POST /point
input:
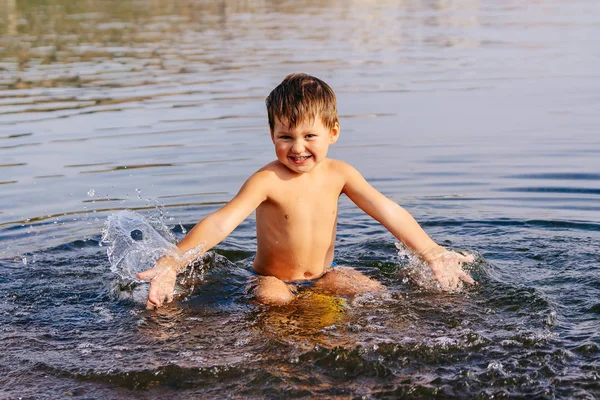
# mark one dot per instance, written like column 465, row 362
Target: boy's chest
column 305, row 201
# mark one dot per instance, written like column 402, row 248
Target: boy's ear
column 334, row 133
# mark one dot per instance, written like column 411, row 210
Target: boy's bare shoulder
column 274, row 169
column 346, row 173
column 273, row 166
column 340, row 166
column 270, row 174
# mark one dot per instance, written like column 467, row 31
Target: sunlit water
column 480, row 118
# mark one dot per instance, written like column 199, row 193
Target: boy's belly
column 290, row 268
column 296, row 245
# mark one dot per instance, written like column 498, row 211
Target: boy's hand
column 162, row 283
column 446, row 268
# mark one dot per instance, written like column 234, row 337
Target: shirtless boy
column 296, row 203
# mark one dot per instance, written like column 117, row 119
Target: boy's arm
column 208, row 232
column 444, row 264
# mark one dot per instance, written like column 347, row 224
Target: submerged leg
column 273, row 291
column 346, row 281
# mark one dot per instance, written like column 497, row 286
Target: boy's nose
column 298, row 147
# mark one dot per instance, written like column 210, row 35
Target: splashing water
column 136, row 243
column 417, row 270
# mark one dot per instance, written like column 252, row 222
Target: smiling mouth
column 299, row 159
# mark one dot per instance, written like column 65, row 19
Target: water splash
column 136, row 242
column 417, row 271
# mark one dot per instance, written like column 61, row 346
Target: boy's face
column 303, row 147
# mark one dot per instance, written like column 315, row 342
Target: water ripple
column 447, row 108
column 558, row 176
column 551, row 189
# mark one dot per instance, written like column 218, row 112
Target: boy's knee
column 347, row 281
column 273, row 291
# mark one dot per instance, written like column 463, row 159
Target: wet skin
column 296, row 203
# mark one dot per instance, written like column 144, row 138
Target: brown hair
column 301, row 96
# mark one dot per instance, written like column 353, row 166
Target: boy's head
column 299, row 98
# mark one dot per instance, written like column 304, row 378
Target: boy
column 296, row 203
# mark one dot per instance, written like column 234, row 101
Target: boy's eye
column 311, row 135
column 284, row 137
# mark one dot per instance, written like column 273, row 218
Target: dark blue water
column 480, row 118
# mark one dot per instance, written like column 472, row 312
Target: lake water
column 479, row 117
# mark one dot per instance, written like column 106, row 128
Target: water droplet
column 91, row 192
column 138, row 190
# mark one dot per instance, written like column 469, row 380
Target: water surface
column 479, row 117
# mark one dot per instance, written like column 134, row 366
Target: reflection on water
column 480, row 117
column 163, row 87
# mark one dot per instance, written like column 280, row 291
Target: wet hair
column 301, row 97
